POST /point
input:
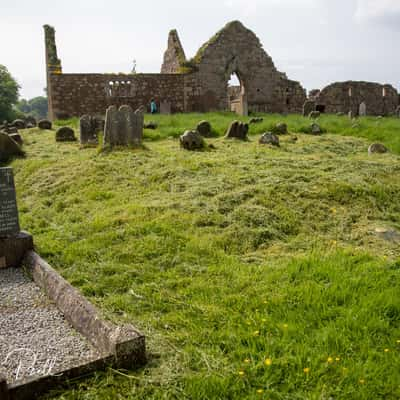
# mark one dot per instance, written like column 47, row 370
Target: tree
column 9, row 91
column 37, row 107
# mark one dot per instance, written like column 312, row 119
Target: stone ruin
column 196, row 85
column 354, row 98
column 200, row 84
column 123, row 127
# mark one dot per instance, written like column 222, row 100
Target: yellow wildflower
column 241, row 373
column 386, row 350
column 268, row 362
column 260, row 391
column 306, row 370
column 285, row 326
column 330, row 360
column 337, row 359
column 256, row 333
column 361, row 381
column 247, row 361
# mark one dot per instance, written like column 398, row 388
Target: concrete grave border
column 119, row 346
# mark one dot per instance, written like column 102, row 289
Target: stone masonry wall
column 347, row 96
column 236, row 49
column 78, row 94
column 174, row 56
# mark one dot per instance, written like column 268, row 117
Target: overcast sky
column 315, row 42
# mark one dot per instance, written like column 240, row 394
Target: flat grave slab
column 35, row 338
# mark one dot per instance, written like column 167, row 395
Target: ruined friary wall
column 236, row 49
column 347, row 96
column 78, row 94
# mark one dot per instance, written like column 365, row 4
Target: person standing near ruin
column 153, row 106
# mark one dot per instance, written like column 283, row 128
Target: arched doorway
column 237, row 101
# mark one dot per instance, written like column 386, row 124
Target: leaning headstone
column 362, row 109
column 65, row 134
column 350, row 114
column 88, row 128
column 314, row 114
column 8, row 147
column 10, row 129
column 165, row 107
column 192, row 140
column 308, row 107
column 269, row 138
column 17, row 138
column 238, row 130
column 9, row 222
column 44, row 124
column 204, row 128
column 123, row 127
column 377, row 148
column 19, row 124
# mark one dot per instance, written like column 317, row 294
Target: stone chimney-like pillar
column 53, row 64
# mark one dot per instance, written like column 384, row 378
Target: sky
column 316, row 42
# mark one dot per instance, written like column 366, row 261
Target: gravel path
column 35, row 339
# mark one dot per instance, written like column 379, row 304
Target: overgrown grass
column 254, row 272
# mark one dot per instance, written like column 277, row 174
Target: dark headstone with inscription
column 9, row 222
column 13, row 243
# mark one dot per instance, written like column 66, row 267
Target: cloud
column 382, row 12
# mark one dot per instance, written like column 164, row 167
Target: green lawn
column 254, row 272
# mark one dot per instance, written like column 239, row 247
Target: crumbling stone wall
column 201, row 84
column 174, row 56
column 347, row 96
column 236, row 49
column 79, row 94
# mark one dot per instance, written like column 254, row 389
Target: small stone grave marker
column 165, row 107
column 9, row 222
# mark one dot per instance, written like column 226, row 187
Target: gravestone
column 13, row 243
column 88, row 127
column 9, row 222
column 308, row 107
column 123, row 127
column 165, row 107
column 362, row 110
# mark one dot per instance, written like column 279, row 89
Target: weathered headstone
column 192, row 140
column 44, row 124
column 238, row 130
column 362, row 109
column 204, row 128
column 65, row 134
column 165, row 107
column 9, row 222
column 269, row 138
column 88, row 127
column 281, row 128
column 308, row 107
column 377, row 148
column 8, row 147
column 123, row 127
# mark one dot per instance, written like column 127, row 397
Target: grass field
column 255, row 272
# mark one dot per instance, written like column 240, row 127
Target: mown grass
column 254, row 272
